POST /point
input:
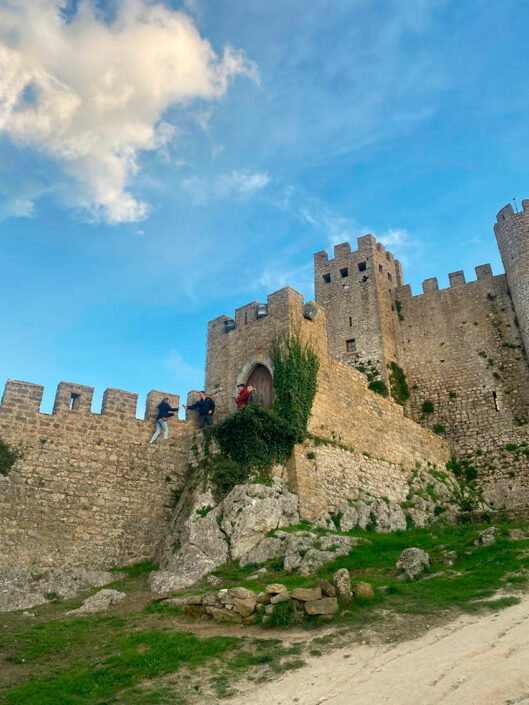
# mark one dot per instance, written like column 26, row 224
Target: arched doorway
column 261, row 379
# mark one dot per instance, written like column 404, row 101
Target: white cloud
column 92, row 94
column 394, row 237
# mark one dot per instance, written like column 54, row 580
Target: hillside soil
column 476, row 660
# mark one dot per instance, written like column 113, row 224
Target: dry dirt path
column 470, row 661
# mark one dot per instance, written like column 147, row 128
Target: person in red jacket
column 242, row 398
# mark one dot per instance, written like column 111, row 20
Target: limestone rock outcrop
column 205, row 534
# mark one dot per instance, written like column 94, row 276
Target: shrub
column 439, row 428
column 379, row 387
column 8, row 457
column 427, row 406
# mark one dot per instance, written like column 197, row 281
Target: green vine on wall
column 8, row 457
column 398, row 384
column 253, row 438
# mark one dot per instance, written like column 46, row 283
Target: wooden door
column 261, row 379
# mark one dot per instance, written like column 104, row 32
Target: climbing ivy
column 398, row 384
column 8, row 457
column 295, row 381
column 252, row 439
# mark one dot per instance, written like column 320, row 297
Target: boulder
column 195, row 547
column 349, row 518
column 213, row 581
column 389, row 516
column 21, row 588
column 250, row 511
column 196, row 544
column 487, row 537
column 314, row 559
column 102, row 600
column 342, row 583
column 220, row 615
column 364, row 592
column 210, row 599
column 245, row 606
column 306, row 594
column 264, row 598
column 364, row 514
column 340, row 545
column 292, row 561
column 275, row 588
column 280, row 597
column 241, row 593
column 327, row 588
column 412, row 562
column 265, row 550
column 327, row 605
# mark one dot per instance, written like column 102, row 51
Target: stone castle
column 89, row 491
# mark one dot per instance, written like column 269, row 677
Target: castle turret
column 357, row 290
column 512, row 234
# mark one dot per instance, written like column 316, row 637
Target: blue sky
column 163, row 163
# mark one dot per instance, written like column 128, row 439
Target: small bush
column 439, row 428
column 427, row 406
column 8, row 457
column 378, row 387
column 452, row 395
column 282, row 615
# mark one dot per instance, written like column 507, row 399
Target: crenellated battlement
column 255, row 313
column 456, row 280
column 76, row 399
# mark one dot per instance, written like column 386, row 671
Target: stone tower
column 357, row 291
column 512, row 235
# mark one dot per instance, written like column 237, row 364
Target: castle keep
column 89, row 489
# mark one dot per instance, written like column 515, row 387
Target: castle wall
column 89, row 489
column 325, row 475
column 462, row 350
column 344, row 411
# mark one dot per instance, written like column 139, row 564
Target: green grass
column 477, row 574
column 137, row 656
column 126, row 657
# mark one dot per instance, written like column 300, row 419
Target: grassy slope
column 138, row 654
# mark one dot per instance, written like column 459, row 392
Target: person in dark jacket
column 164, row 413
column 253, row 397
column 205, row 406
column 242, row 398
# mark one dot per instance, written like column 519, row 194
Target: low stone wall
column 325, row 475
column 88, row 490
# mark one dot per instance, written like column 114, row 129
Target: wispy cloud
column 236, row 184
column 184, row 372
column 91, row 94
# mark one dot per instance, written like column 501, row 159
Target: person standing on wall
column 242, row 398
column 164, row 413
column 206, row 407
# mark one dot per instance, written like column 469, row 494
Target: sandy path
column 470, row 661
